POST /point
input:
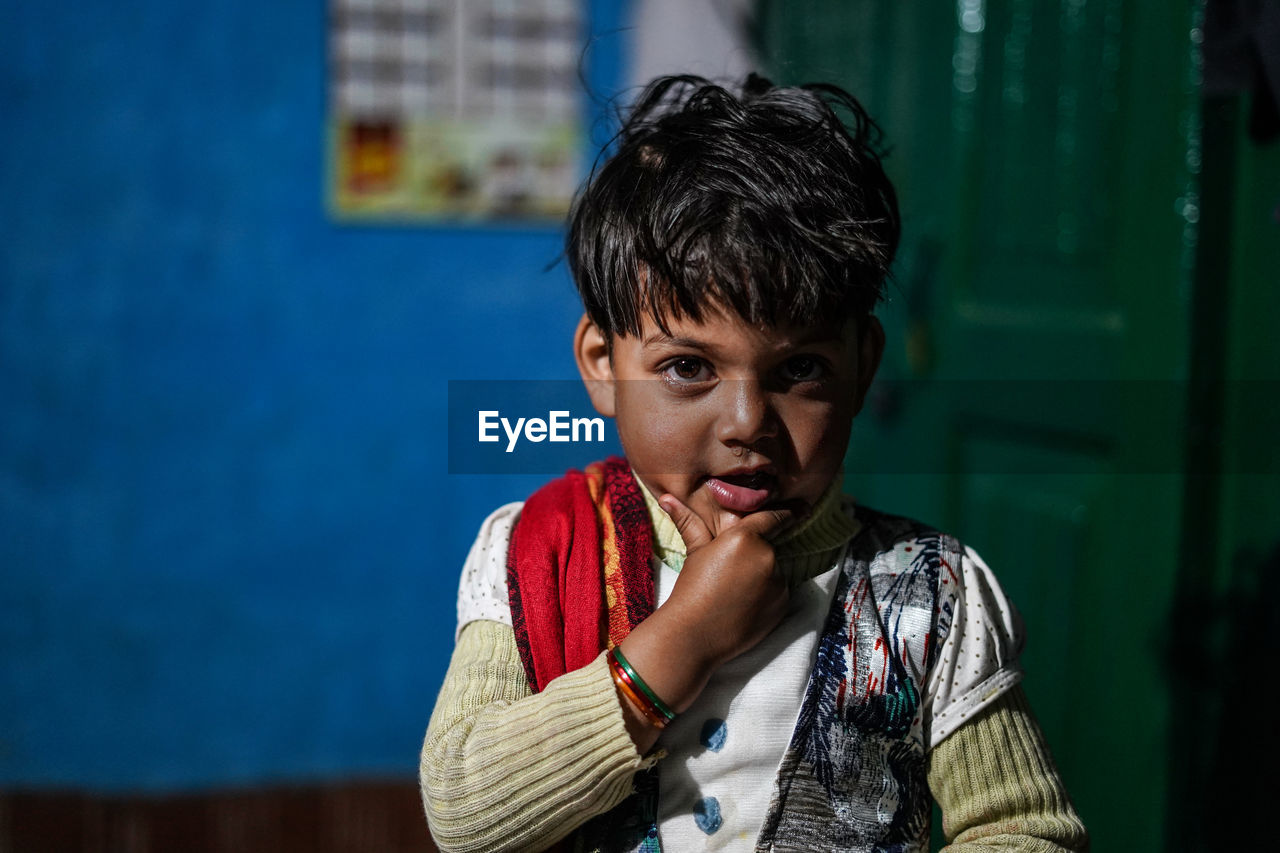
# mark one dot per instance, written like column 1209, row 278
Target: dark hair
column 763, row 200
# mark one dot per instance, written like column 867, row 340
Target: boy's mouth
column 743, row 491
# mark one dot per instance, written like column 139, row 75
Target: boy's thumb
column 692, row 529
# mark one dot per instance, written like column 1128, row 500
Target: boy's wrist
column 670, row 659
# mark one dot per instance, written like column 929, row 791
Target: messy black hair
column 769, row 200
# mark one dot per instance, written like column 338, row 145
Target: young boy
column 706, row 646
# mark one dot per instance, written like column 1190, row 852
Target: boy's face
column 730, row 418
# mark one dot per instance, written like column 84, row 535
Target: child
column 706, row 646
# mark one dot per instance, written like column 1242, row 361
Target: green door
column 1032, row 397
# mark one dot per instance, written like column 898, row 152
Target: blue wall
column 229, row 547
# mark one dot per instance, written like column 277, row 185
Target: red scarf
column 578, row 571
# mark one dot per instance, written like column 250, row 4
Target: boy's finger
column 692, row 529
column 769, row 522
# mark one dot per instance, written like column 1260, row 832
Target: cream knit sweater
column 502, row 769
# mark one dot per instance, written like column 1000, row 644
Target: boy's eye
column 687, row 370
column 802, row 368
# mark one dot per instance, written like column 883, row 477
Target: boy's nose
column 748, row 416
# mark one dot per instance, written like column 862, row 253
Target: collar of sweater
column 802, row 552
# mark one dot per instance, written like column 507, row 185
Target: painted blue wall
column 229, row 546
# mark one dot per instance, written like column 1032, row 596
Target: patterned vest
column 853, row 776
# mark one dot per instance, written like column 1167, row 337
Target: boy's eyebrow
column 813, row 337
column 663, row 339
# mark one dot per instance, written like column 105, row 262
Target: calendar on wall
column 454, row 109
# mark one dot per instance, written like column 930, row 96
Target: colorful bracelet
column 649, row 700
column 637, row 699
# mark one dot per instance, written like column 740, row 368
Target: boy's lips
column 744, row 490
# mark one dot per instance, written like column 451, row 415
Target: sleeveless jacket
column 853, row 775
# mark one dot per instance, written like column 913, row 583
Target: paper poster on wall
column 454, row 109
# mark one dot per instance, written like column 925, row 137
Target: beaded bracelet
column 633, row 685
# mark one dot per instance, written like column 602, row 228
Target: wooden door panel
column 1038, row 141
column 1045, row 95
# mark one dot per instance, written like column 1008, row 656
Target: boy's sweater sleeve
column 998, row 788
column 503, row 769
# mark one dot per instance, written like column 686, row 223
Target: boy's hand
column 729, row 595
column 727, row 599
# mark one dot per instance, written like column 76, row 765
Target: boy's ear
column 591, row 351
column 870, row 350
